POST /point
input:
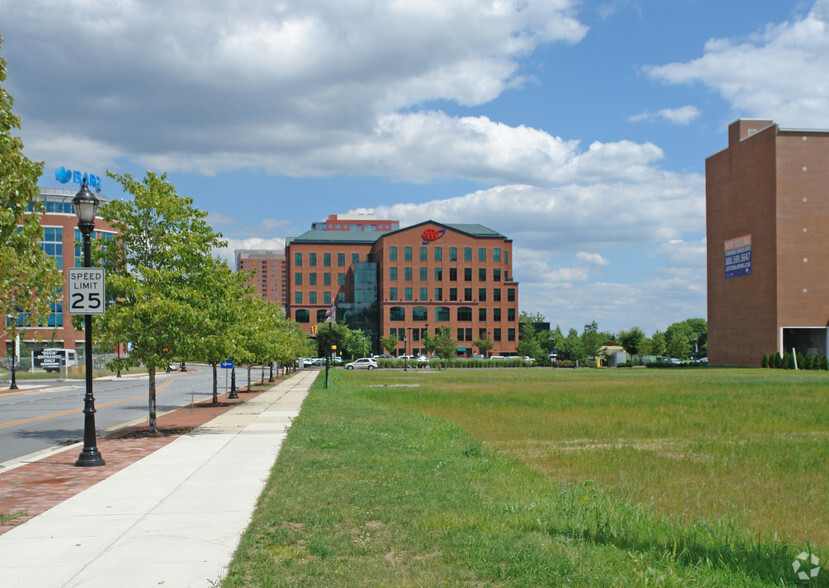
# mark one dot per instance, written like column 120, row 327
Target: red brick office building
column 767, row 220
column 407, row 282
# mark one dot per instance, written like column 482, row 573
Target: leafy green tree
column 698, row 336
column 358, row 343
column 430, row 343
column 221, row 292
column 390, row 343
column 679, row 345
column 155, row 270
column 572, row 347
column 631, row 339
column 29, row 279
column 658, row 345
column 591, row 340
column 556, row 339
column 528, row 343
column 446, row 345
column 484, row 345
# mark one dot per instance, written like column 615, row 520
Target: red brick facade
column 270, row 270
column 428, row 276
column 60, row 233
column 770, row 184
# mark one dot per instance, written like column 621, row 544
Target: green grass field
column 532, row 477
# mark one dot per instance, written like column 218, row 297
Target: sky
column 577, row 129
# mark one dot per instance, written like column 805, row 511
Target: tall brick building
column 767, row 220
column 270, row 272
column 407, row 282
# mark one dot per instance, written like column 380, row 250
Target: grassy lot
column 547, row 477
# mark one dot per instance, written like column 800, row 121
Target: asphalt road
column 34, row 420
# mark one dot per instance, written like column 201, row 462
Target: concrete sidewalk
column 174, row 518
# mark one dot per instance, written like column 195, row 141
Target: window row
column 312, row 279
column 326, row 259
column 313, row 298
column 451, row 274
column 437, row 254
column 443, row 314
column 452, row 294
column 462, row 334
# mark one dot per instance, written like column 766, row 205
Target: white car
column 368, row 363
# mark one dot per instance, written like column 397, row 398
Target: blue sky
column 577, row 129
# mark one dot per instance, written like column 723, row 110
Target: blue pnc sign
column 64, row 176
column 738, row 257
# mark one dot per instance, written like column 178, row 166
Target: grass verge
column 385, row 479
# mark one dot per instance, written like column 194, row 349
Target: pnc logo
column 64, row 175
column 432, row 234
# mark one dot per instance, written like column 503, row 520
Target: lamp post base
column 90, row 457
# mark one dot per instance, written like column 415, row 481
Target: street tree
column 430, row 343
column 155, row 268
column 484, row 345
column 389, row 343
column 357, row 343
column 29, row 278
column 446, row 346
column 220, row 293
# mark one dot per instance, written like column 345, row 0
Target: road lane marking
column 55, row 415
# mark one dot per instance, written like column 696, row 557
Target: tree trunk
column 151, row 397
column 248, row 377
column 215, row 384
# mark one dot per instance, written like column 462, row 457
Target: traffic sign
column 86, row 290
column 226, row 365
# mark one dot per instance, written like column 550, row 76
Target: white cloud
column 591, row 258
column 678, row 116
column 293, row 88
column 227, row 253
column 777, row 73
column 571, row 218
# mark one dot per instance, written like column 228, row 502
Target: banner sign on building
column 738, row 257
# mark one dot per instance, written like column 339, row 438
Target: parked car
column 368, row 363
column 423, row 359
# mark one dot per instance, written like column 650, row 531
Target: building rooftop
column 370, row 237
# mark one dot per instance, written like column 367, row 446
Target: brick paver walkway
column 38, row 486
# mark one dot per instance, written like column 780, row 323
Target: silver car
column 362, row 363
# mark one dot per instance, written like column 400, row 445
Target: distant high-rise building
column 270, row 272
column 355, row 222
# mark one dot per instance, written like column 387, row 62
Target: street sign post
column 86, row 290
column 227, row 365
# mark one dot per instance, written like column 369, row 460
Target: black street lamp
column 233, row 393
column 12, row 367
column 86, row 206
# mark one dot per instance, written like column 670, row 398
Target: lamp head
column 86, row 207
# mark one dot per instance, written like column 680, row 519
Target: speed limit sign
column 86, row 290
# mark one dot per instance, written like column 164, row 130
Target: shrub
column 765, row 361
